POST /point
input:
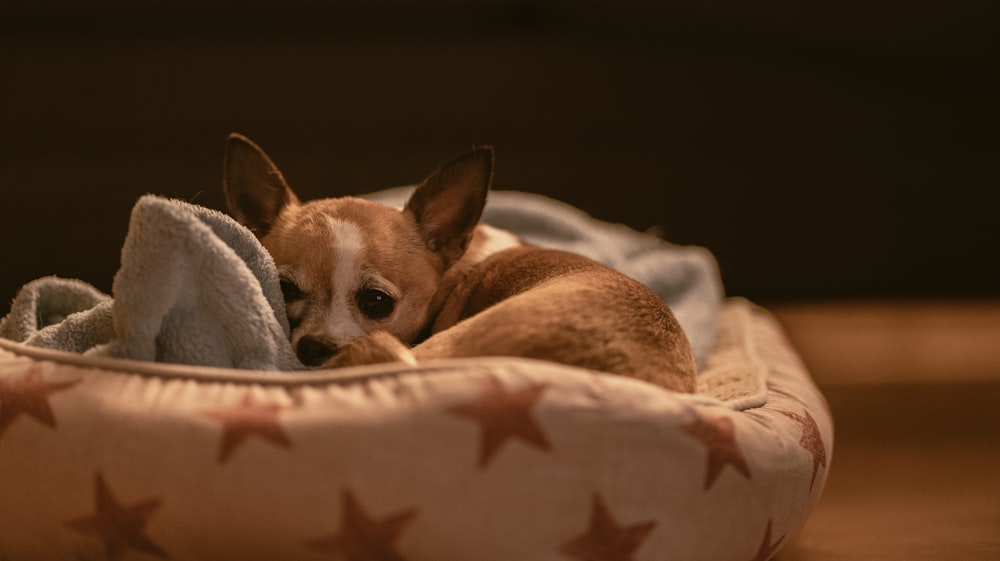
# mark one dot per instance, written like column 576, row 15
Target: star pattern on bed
column 502, row 415
column 120, row 526
column 527, row 459
column 811, row 441
column 28, row 394
column 767, row 549
column 249, row 418
column 718, row 434
column 605, row 539
column 362, row 537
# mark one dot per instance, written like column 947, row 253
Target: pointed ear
column 256, row 192
column 448, row 204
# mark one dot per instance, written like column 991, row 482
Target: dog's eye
column 375, row 304
column 290, row 291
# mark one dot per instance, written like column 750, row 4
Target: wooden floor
column 914, row 476
column 915, row 473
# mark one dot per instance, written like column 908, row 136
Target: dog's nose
column 314, row 351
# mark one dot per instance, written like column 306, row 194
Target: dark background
column 830, row 151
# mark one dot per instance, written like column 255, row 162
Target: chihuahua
column 366, row 283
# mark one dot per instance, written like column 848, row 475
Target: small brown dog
column 363, row 281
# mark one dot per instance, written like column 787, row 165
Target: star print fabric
column 490, row 459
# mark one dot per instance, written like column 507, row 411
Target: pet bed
column 475, row 459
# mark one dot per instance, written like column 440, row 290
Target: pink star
column 718, row 435
column 120, row 527
column 811, row 441
column 503, row 415
column 247, row 419
column 767, row 549
column 361, row 537
column 28, row 394
column 605, row 539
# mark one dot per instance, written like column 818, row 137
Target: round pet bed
column 481, row 459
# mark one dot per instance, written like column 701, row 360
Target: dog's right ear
column 256, row 192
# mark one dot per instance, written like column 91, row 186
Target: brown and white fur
column 363, row 281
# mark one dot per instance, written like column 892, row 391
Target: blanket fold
column 195, row 287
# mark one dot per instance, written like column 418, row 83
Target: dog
column 367, row 283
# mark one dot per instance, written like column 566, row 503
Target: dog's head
column 350, row 266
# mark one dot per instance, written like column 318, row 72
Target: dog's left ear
column 256, row 192
column 449, row 203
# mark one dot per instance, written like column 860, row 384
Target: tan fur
column 465, row 291
column 553, row 305
column 376, row 347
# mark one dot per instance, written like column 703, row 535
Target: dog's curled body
column 364, row 281
column 554, row 305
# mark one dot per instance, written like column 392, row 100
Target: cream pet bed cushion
column 490, row 459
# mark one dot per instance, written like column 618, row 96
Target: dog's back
column 548, row 304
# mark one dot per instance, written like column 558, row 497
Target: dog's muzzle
column 314, row 351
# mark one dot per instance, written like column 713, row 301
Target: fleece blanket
column 195, row 287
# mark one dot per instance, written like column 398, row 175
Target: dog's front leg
column 376, row 347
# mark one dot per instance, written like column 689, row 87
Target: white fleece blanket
column 195, row 287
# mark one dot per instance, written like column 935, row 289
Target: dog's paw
column 376, row 347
